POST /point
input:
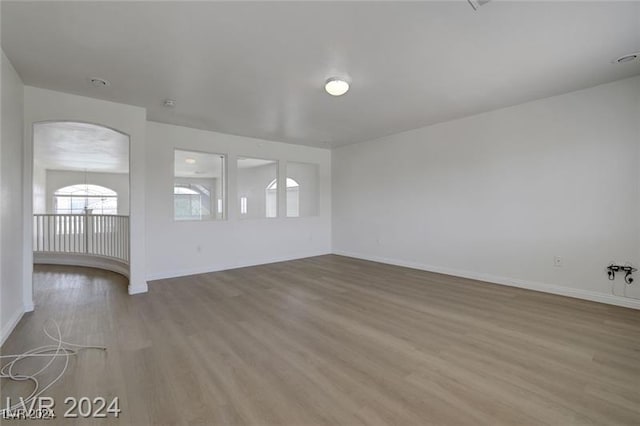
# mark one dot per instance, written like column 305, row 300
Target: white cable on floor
column 52, row 351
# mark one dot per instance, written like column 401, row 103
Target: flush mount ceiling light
column 190, row 160
column 336, row 86
column 626, row 58
column 99, row 82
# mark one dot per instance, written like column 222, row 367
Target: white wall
column 12, row 304
column 47, row 105
column 180, row 248
column 56, row 179
column 496, row 196
column 39, row 188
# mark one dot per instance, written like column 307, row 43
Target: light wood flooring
column 332, row 340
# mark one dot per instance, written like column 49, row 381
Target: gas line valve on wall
column 627, row 269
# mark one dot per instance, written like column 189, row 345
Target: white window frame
column 84, row 192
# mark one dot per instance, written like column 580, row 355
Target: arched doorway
column 80, row 195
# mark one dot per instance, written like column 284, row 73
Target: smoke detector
column 99, row 82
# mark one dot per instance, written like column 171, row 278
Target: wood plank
column 333, row 340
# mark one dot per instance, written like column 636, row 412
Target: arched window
column 191, row 201
column 83, row 198
column 293, row 190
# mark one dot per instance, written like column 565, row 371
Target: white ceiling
column 80, row 147
column 258, row 68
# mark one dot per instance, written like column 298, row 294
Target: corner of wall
column 138, row 288
column 12, row 280
column 10, row 325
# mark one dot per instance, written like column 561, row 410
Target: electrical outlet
column 557, row 261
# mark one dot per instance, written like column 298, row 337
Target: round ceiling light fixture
column 627, row 58
column 336, row 86
column 99, row 82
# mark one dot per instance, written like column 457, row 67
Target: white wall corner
column 7, row 329
column 138, row 289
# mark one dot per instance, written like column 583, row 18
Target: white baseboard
column 225, row 267
column 10, row 325
column 609, row 299
column 138, row 289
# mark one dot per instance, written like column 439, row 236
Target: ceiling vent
column 99, row 82
column 475, row 4
column 626, row 58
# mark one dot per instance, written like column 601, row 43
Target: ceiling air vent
column 475, row 4
column 99, row 82
column 627, row 58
